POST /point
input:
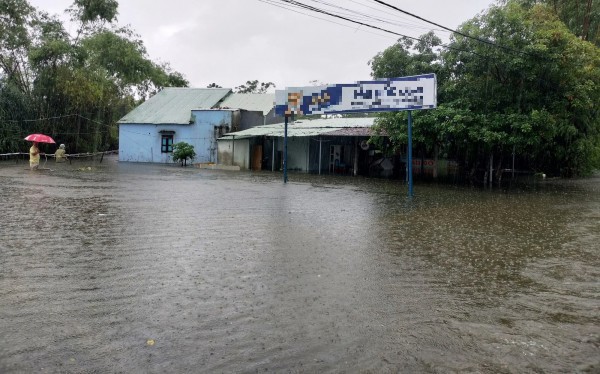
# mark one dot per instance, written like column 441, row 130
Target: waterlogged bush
column 183, row 151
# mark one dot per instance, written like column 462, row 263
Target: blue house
column 197, row 116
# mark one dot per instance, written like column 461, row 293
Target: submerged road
column 140, row 268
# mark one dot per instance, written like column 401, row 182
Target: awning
column 360, row 126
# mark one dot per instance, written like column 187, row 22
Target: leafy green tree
column 95, row 10
column 17, row 19
column 213, row 85
column 76, row 87
column 582, row 17
column 183, row 151
column 254, row 87
column 408, row 57
column 535, row 94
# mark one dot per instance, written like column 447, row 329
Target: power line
column 274, row 3
column 345, row 16
column 56, row 117
column 447, row 28
column 322, row 11
column 366, row 16
column 47, row 118
column 406, row 22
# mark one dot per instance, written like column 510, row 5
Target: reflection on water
column 237, row 272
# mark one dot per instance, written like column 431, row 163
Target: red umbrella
column 39, row 138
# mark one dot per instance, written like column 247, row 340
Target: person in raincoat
column 34, row 156
column 60, row 155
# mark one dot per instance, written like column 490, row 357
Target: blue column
column 285, row 178
column 409, row 156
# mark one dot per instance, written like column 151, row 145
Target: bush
column 182, row 151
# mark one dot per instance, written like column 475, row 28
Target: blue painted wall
column 141, row 142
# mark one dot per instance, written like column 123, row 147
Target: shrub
column 183, row 151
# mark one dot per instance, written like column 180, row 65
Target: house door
column 257, row 155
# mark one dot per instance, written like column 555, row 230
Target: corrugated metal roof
column 315, row 127
column 173, row 105
column 352, row 131
column 253, row 102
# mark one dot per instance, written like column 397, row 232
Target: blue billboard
column 379, row 95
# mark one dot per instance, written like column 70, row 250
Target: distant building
column 324, row 145
column 197, row 116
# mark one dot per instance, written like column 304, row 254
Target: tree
column 183, row 151
column 77, row 86
column 254, row 87
column 213, row 85
column 535, row 93
column 17, row 18
column 582, row 17
column 408, row 57
column 89, row 11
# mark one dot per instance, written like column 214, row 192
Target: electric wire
column 364, row 16
column 449, row 29
column 276, row 4
column 322, row 11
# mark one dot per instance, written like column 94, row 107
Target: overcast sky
column 231, row 41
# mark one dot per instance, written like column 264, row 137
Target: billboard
column 380, row 95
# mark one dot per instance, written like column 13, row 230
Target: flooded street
column 139, row 268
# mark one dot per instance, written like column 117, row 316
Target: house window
column 166, row 145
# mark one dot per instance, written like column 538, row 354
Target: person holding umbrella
column 34, row 156
column 34, row 151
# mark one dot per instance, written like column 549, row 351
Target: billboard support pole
column 409, row 156
column 285, row 142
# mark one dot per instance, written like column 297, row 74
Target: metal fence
column 22, row 156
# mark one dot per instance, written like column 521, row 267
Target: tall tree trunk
column 586, row 21
column 499, row 167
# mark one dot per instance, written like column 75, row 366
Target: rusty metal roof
column 324, row 126
column 173, row 105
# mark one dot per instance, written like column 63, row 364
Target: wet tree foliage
column 183, row 151
column 254, row 86
column 534, row 92
column 582, row 17
column 72, row 87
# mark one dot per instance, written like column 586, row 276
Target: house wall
column 297, row 153
column 251, row 119
column 207, row 126
column 271, row 117
column 141, row 142
column 238, row 149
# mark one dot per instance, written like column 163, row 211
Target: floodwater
column 138, row 268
